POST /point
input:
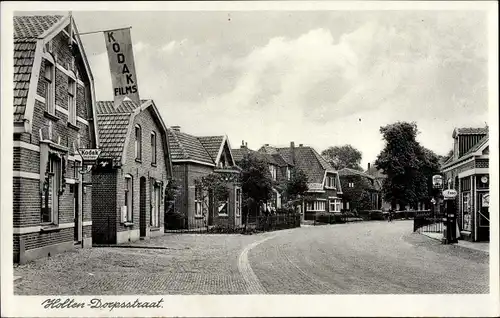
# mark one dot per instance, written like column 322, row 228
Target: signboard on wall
column 437, row 181
column 449, row 193
column 485, row 201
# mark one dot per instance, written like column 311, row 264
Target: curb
column 456, row 245
column 140, row 246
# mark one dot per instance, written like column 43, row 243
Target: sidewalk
column 478, row 246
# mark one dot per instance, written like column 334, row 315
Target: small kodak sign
column 89, row 154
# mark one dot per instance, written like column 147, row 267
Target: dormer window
column 331, row 182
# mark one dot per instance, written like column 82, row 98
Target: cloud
column 317, row 88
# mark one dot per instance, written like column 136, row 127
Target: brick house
column 467, row 171
column 324, row 194
column 53, row 117
column 128, row 201
column 356, row 182
column 379, row 178
column 279, row 169
column 193, row 158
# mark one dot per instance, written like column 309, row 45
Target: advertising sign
column 485, row 201
column 89, row 155
column 437, row 182
column 122, row 66
column 449, row 193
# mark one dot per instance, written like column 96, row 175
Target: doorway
column 76, row 213
column 142, row 207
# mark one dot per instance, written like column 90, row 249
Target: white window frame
column 316, row 206
column 155, row 205
column 129, row 197
column 138, row 143
column 50, row 88
column 54, row 179
column 153, row 147
column 272, row 169
column 198, row 202
column 237, row 201
column 288, row 173
column 336, row 205
column 72, row 100
column 225, row 205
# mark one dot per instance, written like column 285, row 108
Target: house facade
column 379, row 178
column 133, row 169
column 467, row 171
column 193, row 158
column 53, row 117
column 279, row 170
column 324, row 188
column 355, row 184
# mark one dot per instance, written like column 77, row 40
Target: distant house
column 53, row 112
column 467, row 171
column 354, row 184
column 324, row 188
column 379, row 178
column 194, row 157
column 279, row 170
column 134, row 168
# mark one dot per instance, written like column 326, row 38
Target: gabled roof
column 483, row 142
column 204, row 150
column 470, row 131
column 308, row 160
column 353, row 172
column 31, row 33
column 27, row 29
column 239, row 153
column 115, row 128
column 212, row 145
column 374, row 172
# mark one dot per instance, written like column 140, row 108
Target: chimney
column 246, row 144
column 267, row 145
column 300, row 145
column 368, row 166
column 242, row 144
column 176, row 128
column 292, row 151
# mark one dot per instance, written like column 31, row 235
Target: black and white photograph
column 267, row 149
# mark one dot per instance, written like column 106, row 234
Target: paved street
column 365, row 257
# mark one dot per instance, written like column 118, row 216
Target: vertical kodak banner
column 121, row 64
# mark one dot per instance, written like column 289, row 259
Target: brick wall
column 104, row 207
column 144, row 168
column 26, row 196
column 39, row 239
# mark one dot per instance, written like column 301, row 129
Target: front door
column 142, row 207
column 483, row 216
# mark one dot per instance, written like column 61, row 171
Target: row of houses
column 60, row 203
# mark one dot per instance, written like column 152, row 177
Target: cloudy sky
column 321, row 78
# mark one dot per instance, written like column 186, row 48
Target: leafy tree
column 296, row 187
column 345, row 156
column 256, row 183
column 354, row 194
column 407, row 165
column 213, row 186
column 172, row 190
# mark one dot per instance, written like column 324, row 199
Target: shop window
column 466, row 212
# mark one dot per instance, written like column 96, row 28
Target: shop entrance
column 483, row 216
